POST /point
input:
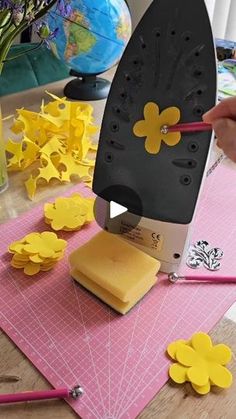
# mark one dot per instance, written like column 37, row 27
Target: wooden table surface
column 172, row 402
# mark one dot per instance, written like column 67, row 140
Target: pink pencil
column 187, row 127
column 27, row 396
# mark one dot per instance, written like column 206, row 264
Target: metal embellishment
column 173, row 277
column 201, row 254
column 76, row 392
column 164, row 129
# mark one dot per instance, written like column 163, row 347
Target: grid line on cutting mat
column 72, row 337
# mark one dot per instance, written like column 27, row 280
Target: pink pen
column 187, row 127
column 27, row 396
column 173, row 278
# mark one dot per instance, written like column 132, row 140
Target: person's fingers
column 225, row 109
column 219, row 144
column 225, row 130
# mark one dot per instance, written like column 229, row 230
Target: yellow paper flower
column 200, row 363
column 172, row 347
column 45, row 244
column 151, row 126
column 37, row 252
column 55, row 142
column 69, row 214
column 65, row 214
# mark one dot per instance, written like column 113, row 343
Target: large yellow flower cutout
column 200, row 363
column 150, row 127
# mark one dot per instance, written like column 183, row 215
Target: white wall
column 211, row 6
column 222, row 14
column 224, row 19
column 138, row 7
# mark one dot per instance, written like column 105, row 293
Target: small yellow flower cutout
column 151, row 126
column 200, row 363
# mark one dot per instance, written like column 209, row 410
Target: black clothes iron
column 170, row 61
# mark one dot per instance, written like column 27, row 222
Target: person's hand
column 223, row 119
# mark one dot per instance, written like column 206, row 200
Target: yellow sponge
column 114, row 270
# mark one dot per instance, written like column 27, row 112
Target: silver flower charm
column 202, row 255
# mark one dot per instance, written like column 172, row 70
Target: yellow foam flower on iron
column 150, row 127
column 200, row 363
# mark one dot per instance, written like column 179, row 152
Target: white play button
column 114, row 217
column 116, row 209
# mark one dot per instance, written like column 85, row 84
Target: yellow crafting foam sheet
column 114, row 270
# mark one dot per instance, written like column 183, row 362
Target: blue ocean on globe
column 93, row 37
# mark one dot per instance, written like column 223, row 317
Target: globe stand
column 87, row 87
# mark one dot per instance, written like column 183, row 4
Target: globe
column 92, row 38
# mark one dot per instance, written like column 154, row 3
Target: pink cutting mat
column 71, row 337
